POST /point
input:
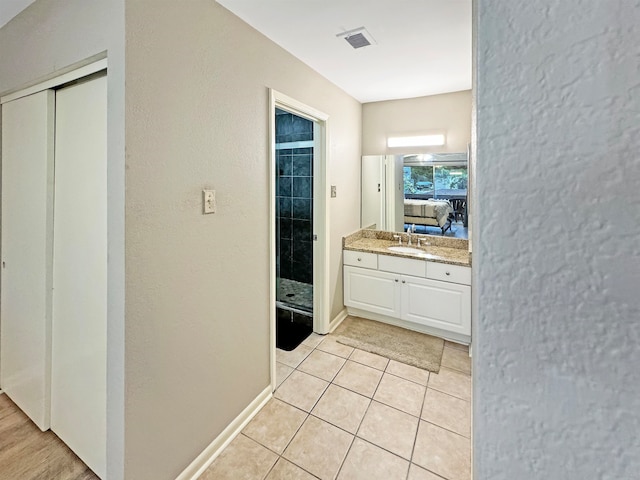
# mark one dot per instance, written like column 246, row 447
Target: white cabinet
column 438, row 304
column 371, row 290
column 413, row 301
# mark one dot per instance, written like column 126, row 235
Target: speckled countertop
column 454, row 251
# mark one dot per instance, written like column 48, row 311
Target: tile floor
column 344, row 413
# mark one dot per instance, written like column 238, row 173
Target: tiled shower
column 294, row 229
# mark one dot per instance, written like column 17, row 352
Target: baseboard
column 338, row 319
column 209, row 454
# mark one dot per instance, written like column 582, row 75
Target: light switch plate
column 208, row 201
column 333, row 191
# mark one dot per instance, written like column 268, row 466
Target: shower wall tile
column 286, row 228
column 285, row 208
column 294, row 207
column 301, row 164
column 302, row 187
column 301, row 231
column 301, row 208
column 284, row 186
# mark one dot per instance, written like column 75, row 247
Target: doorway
column 294, row 151
column 298, row 223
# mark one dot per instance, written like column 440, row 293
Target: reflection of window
column 435, row 177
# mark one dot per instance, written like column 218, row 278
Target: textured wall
column 197, row 334
column 557, row 241
column 449, row 113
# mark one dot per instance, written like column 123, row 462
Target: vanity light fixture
column 417, row 141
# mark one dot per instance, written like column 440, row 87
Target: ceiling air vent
column 358, row 37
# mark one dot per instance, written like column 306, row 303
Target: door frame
column 321, row 308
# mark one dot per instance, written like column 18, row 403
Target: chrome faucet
column 409, row 235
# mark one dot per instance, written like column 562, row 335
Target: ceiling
column 423, row 47
column 11, row 8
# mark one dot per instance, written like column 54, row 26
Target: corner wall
column 449, row 113
column 556, row 241
column 197, row 337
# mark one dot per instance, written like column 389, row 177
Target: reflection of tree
column 444, row 178
column 413, row 175
column 420, row 178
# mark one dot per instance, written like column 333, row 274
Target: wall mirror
column 429, row 191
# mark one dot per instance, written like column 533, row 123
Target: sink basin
column 401, row 249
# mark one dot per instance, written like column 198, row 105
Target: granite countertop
column 454, row 251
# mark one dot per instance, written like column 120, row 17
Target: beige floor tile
column 275, row 425
column 313, row 340
column 288, row 471
column 447, row 412
column 359, row 378
column 301, row 390
column 458, row 346
column 294, row 357
column 330, row 345
column 418, row 473
column 457, row 360
column 389, row 428
column 370, row 359
column 451, row 382
column 443, row 452
column 322, row 364
column 401, row 394
column 368, row 462
column 408, row 372
column 232, row 463
column 319, row 448
column 342, row 408
column 282, row 372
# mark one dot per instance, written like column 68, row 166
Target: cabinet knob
column 359, row 259
column 403, row 281
column 396, row 280
column 447, row 273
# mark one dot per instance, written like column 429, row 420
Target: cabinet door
column 437, row 304
column 371, row 290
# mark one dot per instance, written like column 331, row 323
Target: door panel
column 27, row 215
column 78, row 385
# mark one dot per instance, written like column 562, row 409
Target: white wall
column 197, row 337
column 449, row 113
column 42, row 42
column 557, row 249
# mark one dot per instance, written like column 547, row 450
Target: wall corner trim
column 338, row 319
column 215, row 448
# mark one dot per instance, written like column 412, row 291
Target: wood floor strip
column 26, row 453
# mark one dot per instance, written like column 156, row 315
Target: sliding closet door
column 78, row 381
column 27, row 190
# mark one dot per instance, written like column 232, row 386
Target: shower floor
column 296, row 294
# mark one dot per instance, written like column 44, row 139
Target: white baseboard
column 209, row 454
column 338, row 319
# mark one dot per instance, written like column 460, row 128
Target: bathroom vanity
column 426, row 288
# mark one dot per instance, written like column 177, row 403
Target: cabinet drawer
column 449, row 273
column 360, row 259
column 404, row 266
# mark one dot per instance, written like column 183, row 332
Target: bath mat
column 406, row 346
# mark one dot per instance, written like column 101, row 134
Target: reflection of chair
column 459, row 209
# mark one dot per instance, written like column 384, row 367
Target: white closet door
column 27, row 190
column 78, row 376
